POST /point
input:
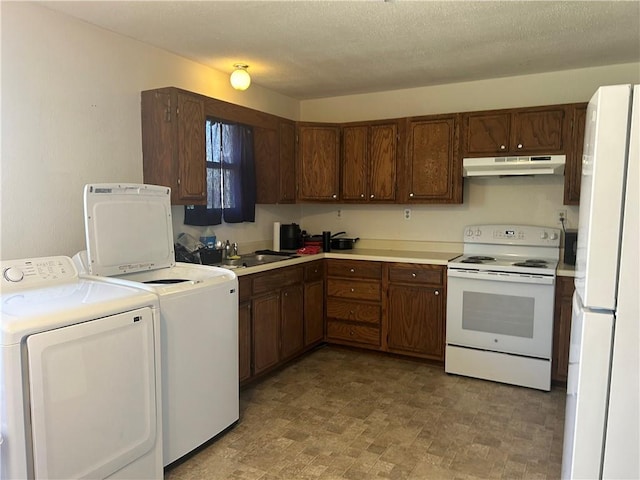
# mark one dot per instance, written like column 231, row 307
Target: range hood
column 507, row 166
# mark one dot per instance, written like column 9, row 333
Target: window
column 231, row 184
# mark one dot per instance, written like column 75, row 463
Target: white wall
column 71, row 116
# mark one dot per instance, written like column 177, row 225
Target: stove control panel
column 512, row 235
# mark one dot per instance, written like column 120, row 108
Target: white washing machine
column 80, row 375
column 130, row 242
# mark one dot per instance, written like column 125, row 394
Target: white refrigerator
column 602, row 425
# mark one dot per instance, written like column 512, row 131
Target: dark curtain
column 231, row 178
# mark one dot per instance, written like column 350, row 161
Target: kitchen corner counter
column 432, row 258
column 566, row 270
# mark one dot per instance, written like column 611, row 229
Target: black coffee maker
column 290, row 236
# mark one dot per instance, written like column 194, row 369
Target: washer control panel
column 512, row 235
column 35, row 272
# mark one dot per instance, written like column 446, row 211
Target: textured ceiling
column 314, row 49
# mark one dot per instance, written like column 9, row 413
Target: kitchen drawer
column 275, row 279
column 353, row 311
column 416, row 273
column 354, row 269
column 347, row 332
column 358, row 289
column 244, row 288
column 314, row 271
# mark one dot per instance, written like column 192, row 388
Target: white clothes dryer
column 80, row 375
column 130, row 242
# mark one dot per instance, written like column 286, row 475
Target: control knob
column 13, row 274
column 553, row 236
column 543, row 235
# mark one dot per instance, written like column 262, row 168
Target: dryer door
column 93, row 395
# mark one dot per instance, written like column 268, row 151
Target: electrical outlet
column 407, row 214
column 561, row 217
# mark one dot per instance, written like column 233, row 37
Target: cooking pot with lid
column 342, row 243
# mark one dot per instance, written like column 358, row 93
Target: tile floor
column 339, row 413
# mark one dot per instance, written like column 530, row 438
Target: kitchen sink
column 253, row 259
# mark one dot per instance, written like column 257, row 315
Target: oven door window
column 494, row 313
column 500, row 316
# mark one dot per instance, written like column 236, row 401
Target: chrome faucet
column 234, row 249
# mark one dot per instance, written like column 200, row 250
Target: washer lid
column 128, row 228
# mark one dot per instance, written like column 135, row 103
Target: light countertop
column 375, row 255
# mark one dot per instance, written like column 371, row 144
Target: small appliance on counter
column 290, row 236
column 570, row 246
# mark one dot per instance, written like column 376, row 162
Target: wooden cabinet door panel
column 192, row 182
column 355, row 153
column 382, row 166
column 244, row 340
column 538, row 131
column 352, row 333
column 432, row 171
column 357, row 289
column 318, row 167
column 562, row 328
column 487, row 134
column 416, row 320
column 354, row 269
column 265, row 147
column 287, row 149
column 353, row 311
column 266, row 332
column 292, row 318
column 573, row 166
column 313, row 312
column 427, row 274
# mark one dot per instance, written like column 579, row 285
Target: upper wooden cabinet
column 274, row 150
column 573, row 167
column 318, row 162
column 537, row 130
column 432, row 171
column 173, row 144
column 369, row 158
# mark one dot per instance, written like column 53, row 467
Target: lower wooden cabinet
column 292, row 321
column 562, row 328
column 415, row 311
column 280, row 316
column 266, row 332
column 313, row 303
column 244, row 340
column 354, row 303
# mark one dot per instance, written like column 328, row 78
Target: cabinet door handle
column 413, row 275
column 372, row 196
column 334, row 196
column 351, row 332
column 362, row 195
column 436, row 293
column 503, row 147
column 519, row 145
column 411, row 194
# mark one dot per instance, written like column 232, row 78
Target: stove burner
column 532, row 264
column 477, row 259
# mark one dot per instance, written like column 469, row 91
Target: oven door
column 501, row 312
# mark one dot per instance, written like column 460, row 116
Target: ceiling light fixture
column 240, row 78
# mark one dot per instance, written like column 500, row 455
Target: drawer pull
column 353, row 290
column 413, row 275
column 436, row 293
column 352, row 270
column 351, row 332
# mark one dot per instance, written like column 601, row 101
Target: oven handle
column 502, row 276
